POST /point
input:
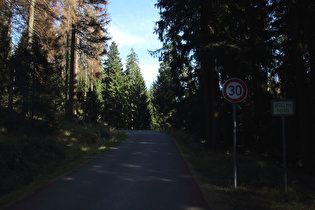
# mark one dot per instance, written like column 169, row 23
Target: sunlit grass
column 67, row 133
column 73, row 139
column 101, row 148
column 84, row 149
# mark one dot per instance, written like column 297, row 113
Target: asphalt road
column 146, row 171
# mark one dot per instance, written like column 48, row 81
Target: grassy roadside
column 29, row 162
column 259, row 179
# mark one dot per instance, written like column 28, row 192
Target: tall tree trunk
column 67, row 75
column 85, row 92
column 33, row 97
column 310, row 28
column 210, row 82
column 30, row 31
column 11, row 88
column 312, row 62
column 76, row 69
column 92, row 81
column 215, row 112
column 30, row 42
column 11, row 73
column 303, row 110
column 67, row 61
column 207, row 104
column 30, row 25
column 210, row 78
column 73, row 76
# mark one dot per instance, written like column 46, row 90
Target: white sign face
column 283, row 107
column 234, row 90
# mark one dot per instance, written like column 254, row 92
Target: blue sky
column 132, row 26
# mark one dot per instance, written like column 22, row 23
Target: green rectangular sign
column 285, row 107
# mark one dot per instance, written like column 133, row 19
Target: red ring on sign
column 234, row 100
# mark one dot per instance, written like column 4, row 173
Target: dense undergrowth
column 260, row 179
column 33, row 152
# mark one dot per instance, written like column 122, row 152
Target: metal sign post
column 234, row 146
column 284, row 156
column 283, row 108
column 234, row 91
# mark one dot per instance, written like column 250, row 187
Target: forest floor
column 260, row 179
column 33, row 153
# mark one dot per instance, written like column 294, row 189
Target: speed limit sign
column 234, row 90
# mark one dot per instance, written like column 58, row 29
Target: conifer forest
column 57, row 60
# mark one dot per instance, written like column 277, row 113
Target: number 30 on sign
column 234, row 90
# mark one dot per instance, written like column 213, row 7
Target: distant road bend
column 146, row 171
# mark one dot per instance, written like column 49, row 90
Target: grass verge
column 31, row 161
column 260, row 179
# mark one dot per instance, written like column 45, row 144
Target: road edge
column 197, row 179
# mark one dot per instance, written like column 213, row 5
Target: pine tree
column 190, row 29
column 86, row 33
column 199, row 36
column 50, row 24
column 36, row 80
column 138, row 113
column 113, row 94
column 90, row 99
column 270, row 44
column 164, row 98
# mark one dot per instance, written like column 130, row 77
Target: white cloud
column 124, row 37
column 149, row 72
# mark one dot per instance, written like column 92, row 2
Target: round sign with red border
column 234, row 90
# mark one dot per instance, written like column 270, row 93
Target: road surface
column 146, row 171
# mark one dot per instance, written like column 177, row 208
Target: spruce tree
column 164, row 98
column 139, row 116
column 37, row 82
column 113, row 94
column 208, row 34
